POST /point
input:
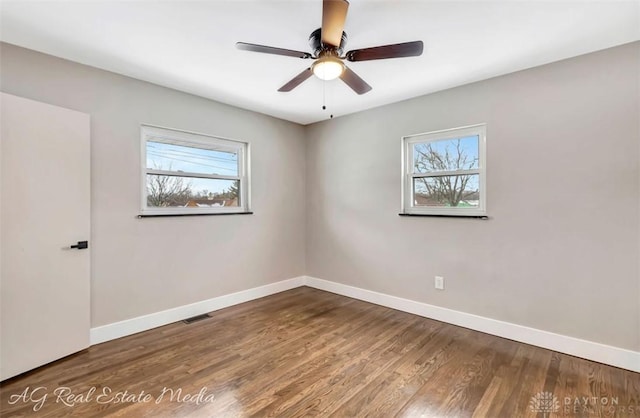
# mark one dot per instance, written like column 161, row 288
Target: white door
column 44, row 209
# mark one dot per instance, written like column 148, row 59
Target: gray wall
column 561, row 250
column 141, row 266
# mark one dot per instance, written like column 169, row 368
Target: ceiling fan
column 328, row 44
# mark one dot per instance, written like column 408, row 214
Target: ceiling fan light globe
column 328, row 69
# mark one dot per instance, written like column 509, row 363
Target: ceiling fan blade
column 334, row 14
column 407, row 49
column 272, row 50
column 297, row 80
column 354, row 81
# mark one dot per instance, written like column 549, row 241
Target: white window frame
column 193, row 139
column 408, row 200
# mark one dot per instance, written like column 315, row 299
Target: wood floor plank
column 307, row 352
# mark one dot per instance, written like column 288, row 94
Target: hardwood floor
column 306, row 352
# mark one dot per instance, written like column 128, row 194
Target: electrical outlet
column 439, row 283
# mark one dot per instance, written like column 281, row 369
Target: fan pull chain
column 324, row 97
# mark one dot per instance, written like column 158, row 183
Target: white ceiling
column 190, row 45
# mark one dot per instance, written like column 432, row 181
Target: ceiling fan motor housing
column 315, row 41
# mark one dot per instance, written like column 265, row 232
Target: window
column 444, row 172
column 188, row 173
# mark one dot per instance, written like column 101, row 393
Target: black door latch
column 82, row 245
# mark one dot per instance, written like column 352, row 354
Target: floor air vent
column 196, row 318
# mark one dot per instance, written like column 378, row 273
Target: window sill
column 162, row 215
column 483, row 217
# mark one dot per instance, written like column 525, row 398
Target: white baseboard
column 146, row 322
column 590, row 350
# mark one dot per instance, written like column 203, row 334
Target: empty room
column 331, row 208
